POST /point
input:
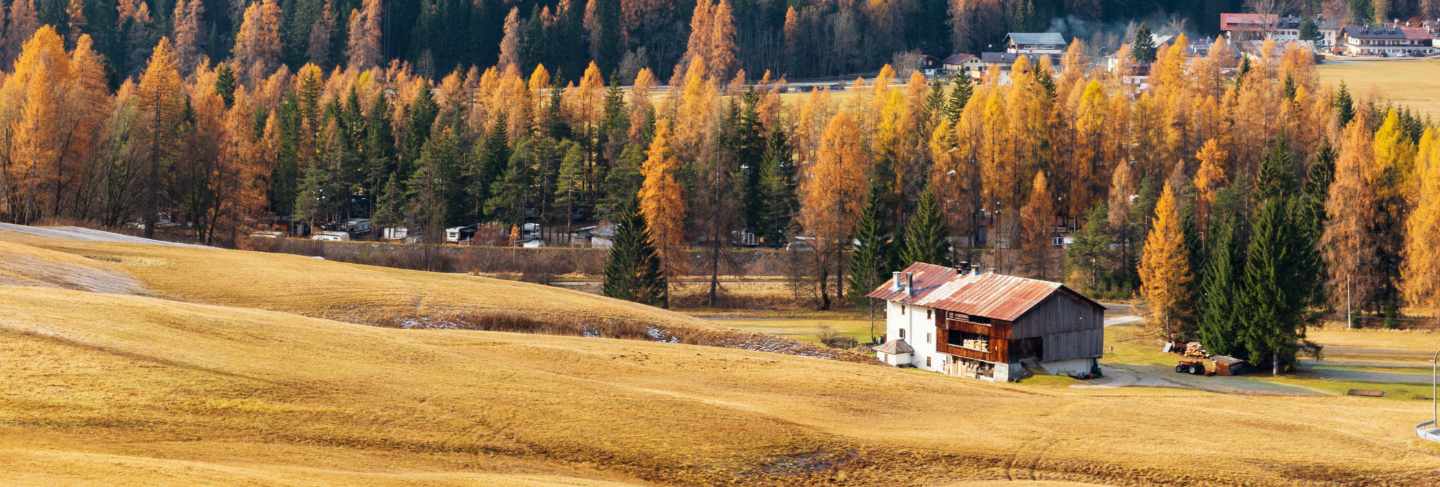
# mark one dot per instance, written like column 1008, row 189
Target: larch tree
column 662, row 203
column 1037, row 220
column 75, row 21
column 698, row 45
column 362, row 46
column 1348, row 245
column 1086, row 182
column 1209, row 179
column 509, row 43
column 1393, row 184
column 35, row 172
column 87, row 104
column 257, row 43
column 186, row 25
column 24, row 21
column 720, row 49
column 1165, row 268
column 161, row 106
column 322, row 36
column 1422, row 256
column 35, row 145
column 834, row 194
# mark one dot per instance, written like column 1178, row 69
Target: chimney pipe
column 895, row 283
column 910, row 284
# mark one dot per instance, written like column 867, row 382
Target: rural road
column 1117, row 314
column 1156, row 376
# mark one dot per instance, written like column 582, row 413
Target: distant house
column 1330, row 31
column 1242, row 27
column 963, row 61
column 1035, row 43
column 1388, row 41
column 987, row 326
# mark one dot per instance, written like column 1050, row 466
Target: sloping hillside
column 144, row 390
column 87, row 260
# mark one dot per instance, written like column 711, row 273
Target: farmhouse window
column 902, row 333
column 927, row 314
column 927, row 361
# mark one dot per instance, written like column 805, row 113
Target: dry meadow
column 218, row 368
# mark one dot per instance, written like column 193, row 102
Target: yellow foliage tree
column 833, row 195
column 662, row 204
column 1165, row 267
column 1348, row 244
column 160, row 100
column 1208, row 179
column 1422, row 256
column 257, row 43
column 1037, row 227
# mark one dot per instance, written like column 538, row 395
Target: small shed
column 895, row 353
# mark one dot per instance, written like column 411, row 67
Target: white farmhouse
column 988, row 326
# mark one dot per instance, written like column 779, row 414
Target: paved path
column 86, row 235
column 1365, row 375
column 1157, row 376
column 1117, row 314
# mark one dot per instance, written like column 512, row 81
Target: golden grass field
column 1414, row 83
column 207, row 380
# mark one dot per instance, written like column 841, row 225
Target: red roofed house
column 988, row 326
column 1256, row 27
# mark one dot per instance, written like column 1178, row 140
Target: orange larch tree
column 834, row 193
column 1165, row 273
column 662, row 204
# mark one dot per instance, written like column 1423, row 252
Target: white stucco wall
column 919, row 333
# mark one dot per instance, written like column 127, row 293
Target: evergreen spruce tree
column 750, row 153
column 1218, row 327
column 1143, row 46
column 871, row 259
column 510, row 194
column 632, row 270
column 1344, row 105
column 493, row 155
column 779, row 183
column 622, row 182
column 390, row 205
column 1090, row 257
column 961, row 88
column 925, row 234
column 1269, row 298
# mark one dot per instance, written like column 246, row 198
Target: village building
column 1035, row 43
column 988, row 326
column 1388, row 41
column 1245, row 27
column 963, row 61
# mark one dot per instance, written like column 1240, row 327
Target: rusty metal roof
column 994, row 296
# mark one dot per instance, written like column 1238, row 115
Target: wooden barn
column 988, row 326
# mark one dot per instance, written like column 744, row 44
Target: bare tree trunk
column 823, row 268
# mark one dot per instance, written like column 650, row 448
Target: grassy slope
column 1413, row 83
column 145, row 389
column 337, row 290
column 111, row 388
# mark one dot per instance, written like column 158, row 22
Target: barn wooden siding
column 998, row 332
column 1071, row 327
